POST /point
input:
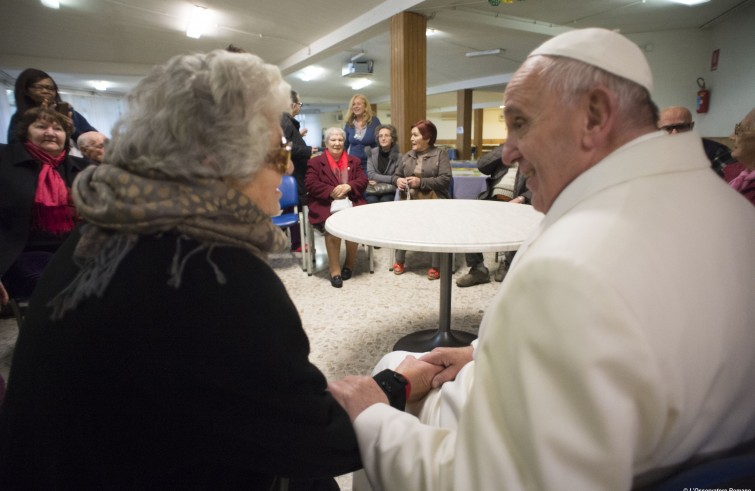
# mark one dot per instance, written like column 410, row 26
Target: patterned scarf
column 51, row 212
column 120, row 205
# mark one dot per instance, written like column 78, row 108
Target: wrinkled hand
column 355, row 394
column 413, row 181
column 4, row 298
column 449, row 360
column 401, row 183
column 420, row 375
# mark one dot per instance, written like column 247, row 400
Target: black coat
column 300, row 152
column 204, row 386
column 18, row 185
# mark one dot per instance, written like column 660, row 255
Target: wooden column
column 464, row 124
column 477, row 139
column 408, row 73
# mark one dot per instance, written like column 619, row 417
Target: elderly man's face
column 94, row 148
column 543, row 137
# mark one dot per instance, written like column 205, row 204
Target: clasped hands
column 340, row 191
column 430, row 371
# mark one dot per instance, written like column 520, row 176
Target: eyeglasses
column 297, row 104
column 40, row 87
column 99, row 146
column 740, row 130
column 280, row 157
column 680, row 128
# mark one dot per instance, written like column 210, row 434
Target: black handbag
column 380, row 188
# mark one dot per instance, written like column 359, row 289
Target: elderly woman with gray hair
column 160, row 348
column 335, row 180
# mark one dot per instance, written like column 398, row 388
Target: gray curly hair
column 202, row 116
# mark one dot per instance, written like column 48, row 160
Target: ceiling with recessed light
column 84, row 42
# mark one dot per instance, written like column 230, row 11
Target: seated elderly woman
column 334, row 180
column 424, row 173
column 36, row 174
column 382, row 162
column 160, row 348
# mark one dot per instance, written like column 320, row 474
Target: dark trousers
column 22, row 276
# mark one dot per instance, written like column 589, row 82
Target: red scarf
column 51, row 212
column 340, row 168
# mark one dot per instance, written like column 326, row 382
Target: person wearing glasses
column 92, row 146
column 35, row 88
column 161, row 350
column 678, row 119
column 300, row 155
column 741, row 176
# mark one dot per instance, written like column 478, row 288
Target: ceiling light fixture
column 100, row 85
column 430, row 31
column 360, row 83
column 689, row 3
column 53, row 4
column 199, row 21
column 310, row 73
column 487, row 52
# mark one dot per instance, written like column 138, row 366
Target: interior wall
column 678, row 58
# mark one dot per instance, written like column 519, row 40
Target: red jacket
column 320, row 182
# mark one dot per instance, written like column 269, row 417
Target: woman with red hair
column 424, row 173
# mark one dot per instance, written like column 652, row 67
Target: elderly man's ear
column 600, row 107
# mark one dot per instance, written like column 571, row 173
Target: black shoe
column 336, row 281
column 345, row 273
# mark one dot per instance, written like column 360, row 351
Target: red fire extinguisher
column 703, row 97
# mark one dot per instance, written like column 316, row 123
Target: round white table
column 440, row 225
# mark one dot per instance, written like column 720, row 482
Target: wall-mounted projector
column 357, row 69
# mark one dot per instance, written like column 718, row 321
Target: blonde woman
column 360, row 129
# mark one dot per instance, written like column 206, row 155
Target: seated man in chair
column 504, row 184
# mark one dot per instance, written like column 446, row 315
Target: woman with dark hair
column 35, row 88
column 424, row 173
column 36, row 174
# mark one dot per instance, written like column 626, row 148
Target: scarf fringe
column 52, row 219
column 94, row 276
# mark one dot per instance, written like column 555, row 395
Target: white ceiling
column 118, row 41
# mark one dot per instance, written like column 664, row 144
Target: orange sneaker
column 433, row 274
column 398, row 268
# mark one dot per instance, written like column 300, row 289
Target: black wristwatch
column 395, row 387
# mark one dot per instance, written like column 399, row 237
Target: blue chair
column 290, row 199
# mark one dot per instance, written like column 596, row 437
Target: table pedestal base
column 421, row 341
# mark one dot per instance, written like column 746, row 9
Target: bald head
column 675, row 119
column 92, row 145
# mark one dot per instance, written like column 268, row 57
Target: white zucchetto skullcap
column 607, row 50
